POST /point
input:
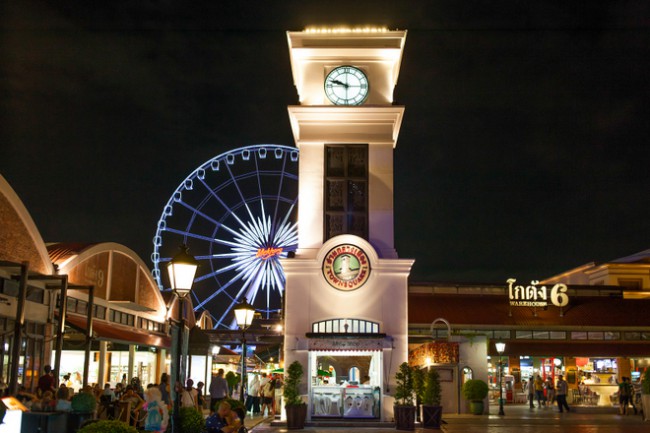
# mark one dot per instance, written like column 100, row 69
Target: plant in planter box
column 191, row 420
column 404, row 410
column 108, row 426
column 418, row 388
column 475, row 390
column 83, row 403
column 431, row 409
column 83, row 407
column 295, row 408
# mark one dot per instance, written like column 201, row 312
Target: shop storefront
column 346, row 377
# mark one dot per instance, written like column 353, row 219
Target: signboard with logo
column 533, row 295
column 346, row 267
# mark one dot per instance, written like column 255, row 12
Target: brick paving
column 518, row 419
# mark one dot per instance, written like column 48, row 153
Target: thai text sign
column 346, row 344
column 536, row 296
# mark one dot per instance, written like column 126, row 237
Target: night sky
column 523, row 151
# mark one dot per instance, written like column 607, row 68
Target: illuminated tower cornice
column 317, row 121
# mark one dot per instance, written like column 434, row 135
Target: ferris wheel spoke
column 241, row 195
column 240, row 220
column 185, row 233
column 228, row 209
column 216, row 292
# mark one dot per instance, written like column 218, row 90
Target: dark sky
column 523, row 151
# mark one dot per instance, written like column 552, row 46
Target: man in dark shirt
column 46, row 381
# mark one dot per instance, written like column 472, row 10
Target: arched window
column 345, row 326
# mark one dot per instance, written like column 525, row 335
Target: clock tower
column 346, row 288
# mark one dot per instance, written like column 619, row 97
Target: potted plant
column 418, row 388
column 404, row 409
column 108, row 426
column 645, row 394
column 191, row 420
column 431, row 409
column 294, row 407
column 475, row 390
column 83, row 407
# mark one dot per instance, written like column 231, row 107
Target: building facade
column 346, row 288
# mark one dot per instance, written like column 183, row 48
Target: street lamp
column 244, row 313
column 181, row 269
column 501, row 347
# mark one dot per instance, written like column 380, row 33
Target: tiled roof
column 494, row 310
column 60, row 252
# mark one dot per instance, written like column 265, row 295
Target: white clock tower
column 346, row 289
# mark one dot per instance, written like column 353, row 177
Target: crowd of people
column 149, row 408
column 546, row 393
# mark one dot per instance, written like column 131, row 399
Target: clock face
column 346, row 85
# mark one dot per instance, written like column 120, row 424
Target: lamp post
column 181, row 270
column 244, row 313
column 501, row 347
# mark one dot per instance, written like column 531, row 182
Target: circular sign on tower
column 346, row 267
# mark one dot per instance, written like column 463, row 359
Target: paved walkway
column 517, row 419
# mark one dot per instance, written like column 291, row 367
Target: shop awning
column 346, row 342
column 113, row 332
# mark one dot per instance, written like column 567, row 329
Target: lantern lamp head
column 182, row 269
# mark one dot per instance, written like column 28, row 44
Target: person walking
column 254, row 392
column 624, row 394
column 550, row 391
column 539, row 391
column 530, row 390
column 561, row 389
column 218, row 390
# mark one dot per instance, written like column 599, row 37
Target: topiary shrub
column 108, row 426
column 475, row 390
column 192, row 420
column 432, row 390
column 404, row 385
column 83, row 403
column 291, row 391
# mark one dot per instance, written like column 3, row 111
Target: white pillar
column 101, row 374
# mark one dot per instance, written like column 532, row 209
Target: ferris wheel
column 237, row 214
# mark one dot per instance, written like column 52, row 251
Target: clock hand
column 339, row 83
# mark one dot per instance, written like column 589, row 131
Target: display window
column 345, row 384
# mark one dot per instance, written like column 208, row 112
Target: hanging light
column 182, row 269
column 244, row 313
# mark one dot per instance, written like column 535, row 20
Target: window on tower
column 346, row 190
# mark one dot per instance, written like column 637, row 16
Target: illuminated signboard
column 267, row 253
column 346, row 267
column 536, row 296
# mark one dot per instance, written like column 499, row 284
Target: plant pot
column 404, row 417
column 296, row 415
column 476, row 407
column 431, row 416
column 76, row 420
